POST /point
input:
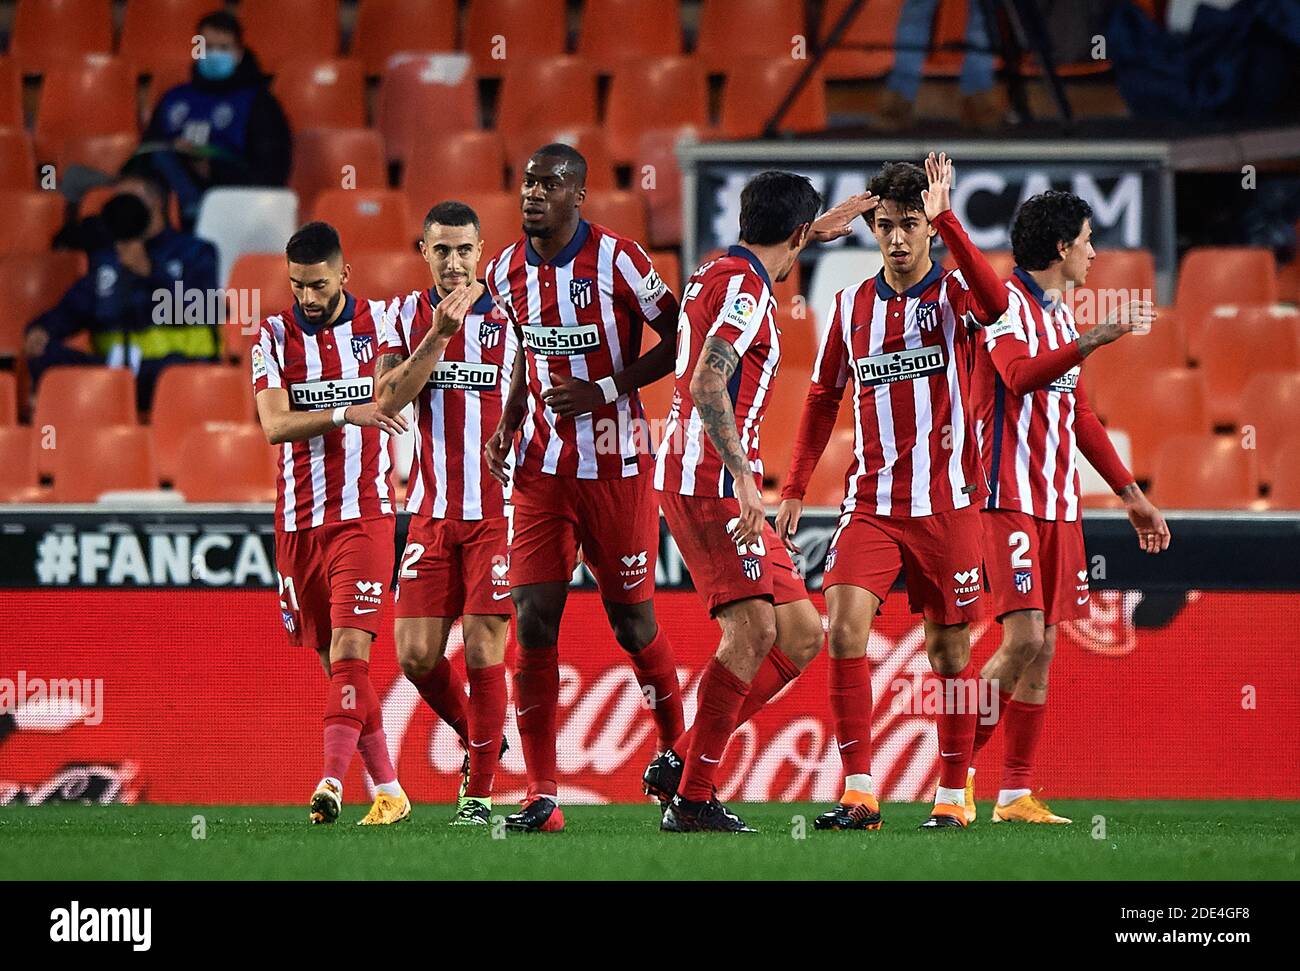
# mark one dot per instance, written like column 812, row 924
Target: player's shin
column 851, row 705
column 537, row 691
column 721, row 695
column 373, row 745
column 955, row 722
column 656, row 671
column 487, row 718
column 344, row 715
column 443, row 690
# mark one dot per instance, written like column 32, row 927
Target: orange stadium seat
column 1214, row 276
column 1138, row 354
column 187, row 395
column 615, row 31
column 799, row 338
column 8, row 398
column 734, row 31
column 515, row 30
column 55, row 33
column 1233, row 348
column 366, row 219
column 1163, row 403
column 33, row 283
column 623, row 212
column 78, row 397
column 95, row 96
column 1288, row 282
column 590, row 140
column 657, row 398
column 547, row 92
column 1133, row 270
column 324, row 157
column 499, row 215
column 17, row 161
column 666, row 93
column 1283, row 476
column 322, row 94
column 754, row 90
column 226, row 462
column 386, row 27
column 1204, row 472
column 422, row 98
column 467, row 161
column 948, row 41
column 866, row 49
column 11, row 97
column 826, row 487
column 18, row 479
column 1002, row 261
column 93, row 459
column 107, row 153
column 781, row 422
column 261, row 280
column 161, row 32
column 384, row 274
column 32, row 218
column 1267, row 411
column 658, row 177
column 279, row 31
column 669, row 267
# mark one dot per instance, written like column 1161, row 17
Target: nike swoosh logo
column 950, row 755
column 520, row 714
column 705, row 758
column 1084, row 600
column 481, row 744
column 358, row 610
column 967, row 603
column 844, row 745
column 629, row 586
column 500, row 596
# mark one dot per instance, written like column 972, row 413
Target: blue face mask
column 217, row 65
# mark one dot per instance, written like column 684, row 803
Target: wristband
column 339, row 416
column 608, row 389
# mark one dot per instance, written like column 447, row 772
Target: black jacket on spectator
column 238, row 117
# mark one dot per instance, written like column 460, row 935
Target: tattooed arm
column 718, row 362
column 397, row 382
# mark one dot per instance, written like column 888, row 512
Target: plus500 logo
column 580, row 339
column 311, row 395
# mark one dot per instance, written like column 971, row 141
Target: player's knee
column 482, row 650
column 845, row 638
column 949, row 651
column 349, row 643
column 415, row 660
column 535, row 627
column 1025, row 647
column 633, row 632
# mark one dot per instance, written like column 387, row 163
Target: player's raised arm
column 1096, row 447
column 398, row 385
column 987, row 291
column 718, row 361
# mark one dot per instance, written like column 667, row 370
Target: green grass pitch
column 1142, row 840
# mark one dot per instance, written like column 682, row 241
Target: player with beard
column 313, row 375
column 580, row 297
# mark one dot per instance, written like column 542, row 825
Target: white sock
column 392, row 789
column 952, row 797
column 860, row 782
column 336, row 783
column 1007, row 796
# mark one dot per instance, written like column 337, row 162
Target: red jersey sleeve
column 979, row 292
column 740, row 316
column 1008, row 345
column 395, row 324
column 1096, row 445
column 639, row 286
column 265, row 357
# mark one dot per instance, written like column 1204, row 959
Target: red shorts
column 452, row 567
column 333, row 576
column 615, row 521
column 700, row 525
column 940, row 555
column 1035, row 564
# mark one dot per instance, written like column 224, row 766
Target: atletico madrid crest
column 489, row 334
column 1024, row 581
column 752, row 566
column 363, row 348
column 580, row 291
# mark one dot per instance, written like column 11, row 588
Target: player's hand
column 38, row 338
column 568, row 397
column 1152, row 530
column 749, row 525
column 838, row 220
column 787, row 522
column 1134, row 317
column 939, row 172
column 449, row 315
column 496, row 450
column 370, row 415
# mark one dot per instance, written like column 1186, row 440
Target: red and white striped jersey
column 731, row 298
column 1028, row 442
column 581, row 315
column 909, row 356
column 458, row 410
column 342, row 474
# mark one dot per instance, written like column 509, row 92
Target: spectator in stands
column 128, row 301
column 223, row 127
column 979, row 101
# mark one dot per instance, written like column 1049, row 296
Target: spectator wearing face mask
column 128, row 300
column 223, row 127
